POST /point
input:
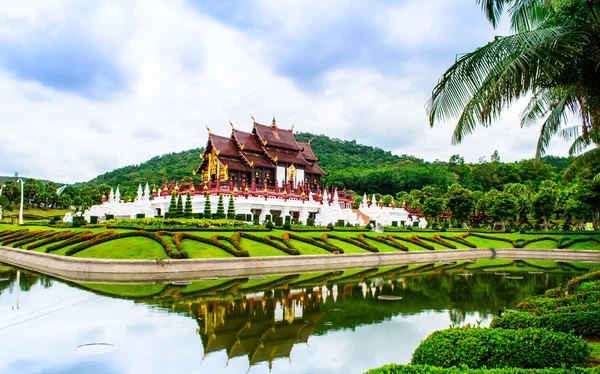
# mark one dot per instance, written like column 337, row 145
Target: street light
column 21, row 208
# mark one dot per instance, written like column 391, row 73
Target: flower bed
column 174, row 223
column 53, row 239
column 81, row 237
column 497, row 348
column 25, row 235
column 42, row 235
column 14, row 234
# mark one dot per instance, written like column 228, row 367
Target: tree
column 433, row 206
column 231, row 208
column 553, row 55
column 504, row 206
column 220, row 207
column 460, row 203
column 544, row 203
column 187, row 210
column 173, row 204
column 179, row 206
column 207, row 207
column 522, row 193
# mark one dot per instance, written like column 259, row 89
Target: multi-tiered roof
column 265, row 148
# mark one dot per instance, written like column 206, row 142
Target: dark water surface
column 328, row 322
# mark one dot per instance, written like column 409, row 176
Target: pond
column 329, row 322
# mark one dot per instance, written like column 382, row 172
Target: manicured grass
column 37, row 212
column 585, row 245
column 196, row 249
column 131, row 290
column 259, row 249
column 347, row 247
column 543, row 244
column 486, row 243
column 307, row 249
column 137, row 248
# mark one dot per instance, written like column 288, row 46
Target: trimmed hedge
column 360, row 242
column 317, row 243
column 497, row 348
column 79, row 238
column 55, row 238
column 269, row 241
column 34, row 238
column 179, row 237
column 548, row 304
column 460, row 240
column 121, row 235
column 416, row 241
column 580, row 322
column 17, row 238
column 424, row 369
column 438, row 240
column 14, row 234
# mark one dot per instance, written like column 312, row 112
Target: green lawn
column 37, row 212
column 202, row 250
column 143, row 248
column 127, row 249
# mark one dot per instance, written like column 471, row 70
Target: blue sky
column 88, row 87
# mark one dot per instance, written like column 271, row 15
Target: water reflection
column 329, row 321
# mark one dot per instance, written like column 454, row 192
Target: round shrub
column 270, row 225
column 497, row 348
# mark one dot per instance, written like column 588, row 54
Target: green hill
column 357, row 167
column 169, row 166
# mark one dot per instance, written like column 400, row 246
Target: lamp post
column 21, row 208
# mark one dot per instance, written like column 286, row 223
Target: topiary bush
column 270, row 225
column 497, row 348
column 424, row 369
column 287, row 225
column 579, row 322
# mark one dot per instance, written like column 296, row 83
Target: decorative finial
column 233, row 128
column 253, row 120
column 207, row 129
column 310, row 140
column 193, row 172
column 294, row 125
column 274, row 122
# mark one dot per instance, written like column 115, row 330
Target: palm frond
column 579, row 145
column 537, row 108
column 570, row 132
column 587, row 159
column 484, row 82
column 528, row 14
column 493, row 9
column 552, row 124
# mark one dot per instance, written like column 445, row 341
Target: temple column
column 266, row 210
column 303, row 218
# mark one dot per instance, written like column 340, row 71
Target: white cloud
column 184, row 70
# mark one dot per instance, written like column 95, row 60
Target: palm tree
column 553, row 55
column 585, row 157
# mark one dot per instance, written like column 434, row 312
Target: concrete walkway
column 147, row 271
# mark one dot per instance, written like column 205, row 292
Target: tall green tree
column 231, row 208
column 544, row 203
column 433, row 206
column 503, row 207
column 460, row 203
column 187, row 210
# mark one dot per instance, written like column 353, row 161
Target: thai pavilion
column 269, row 174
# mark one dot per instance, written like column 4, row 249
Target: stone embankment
column 143, row 271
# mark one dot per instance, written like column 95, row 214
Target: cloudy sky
column 86, row 87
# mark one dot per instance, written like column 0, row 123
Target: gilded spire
column 310, row 140
column 294, row 125
column 207, row 129
column 274, row 122
column 253, row 120
column 233, row 128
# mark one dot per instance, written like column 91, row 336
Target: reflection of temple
column 258, row 327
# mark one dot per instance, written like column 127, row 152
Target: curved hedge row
column 581, row 322
column 416, row 241
column 179, row 237
column 26, row 240
column 317, row 243
column 389, row 241
column 438, row 240
column 79, row 238
column 267, row 241
column 424, row 369
column 497, row 348
column 53, row 239
column 357, row 242
column 460, row 240
column 121, row 235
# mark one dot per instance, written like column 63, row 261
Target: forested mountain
column 360, row 168
column 169, row 166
